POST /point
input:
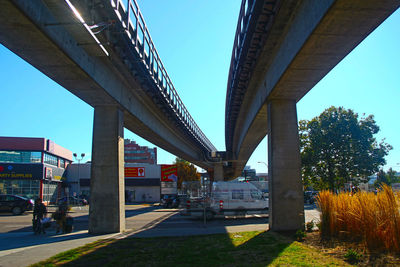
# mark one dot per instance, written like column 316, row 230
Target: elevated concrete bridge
column 102, row 52
column 282, row 49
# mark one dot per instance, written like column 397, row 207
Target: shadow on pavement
column 133, row 212
column 22, row 240
column 82, row 222
column 178, row 225
column 224, row 221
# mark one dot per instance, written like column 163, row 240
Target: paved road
column 20, row 247
column 137, row 216
column 23, row 223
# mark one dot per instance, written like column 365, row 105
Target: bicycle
column 37, row 226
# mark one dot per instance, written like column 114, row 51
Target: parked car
column 170, row 201
column 15, row 204
column 72, row 201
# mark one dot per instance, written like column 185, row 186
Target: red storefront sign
column 169, row 173
column 134, row 172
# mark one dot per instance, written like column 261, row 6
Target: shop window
column 136, row 158
column 36, row 157
column 25, row 188
column 62, row 163
column 50, row 159
column 49, row 191
column 21, row 156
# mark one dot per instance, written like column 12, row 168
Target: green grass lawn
column 238, row 249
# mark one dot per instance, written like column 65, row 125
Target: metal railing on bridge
column 252, row 27
column 135, row 27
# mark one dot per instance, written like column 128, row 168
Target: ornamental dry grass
column 373, row 219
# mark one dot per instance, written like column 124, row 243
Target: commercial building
column 33, row 167
column 139, row 154
column 142, row 181
column 78, row 179
column 38, row 167
column 139, row 186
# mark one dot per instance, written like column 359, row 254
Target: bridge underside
column 48, row 36
column 294, row 51
column 305, row 40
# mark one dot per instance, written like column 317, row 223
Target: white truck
column 229, row 199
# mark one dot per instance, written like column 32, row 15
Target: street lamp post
column 263, row 163
column 79, row 167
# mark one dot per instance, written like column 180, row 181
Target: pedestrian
column 60, row 217
column 39, row 212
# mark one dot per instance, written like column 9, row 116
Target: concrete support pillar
column 107, row 195
column 286, row 204
column 218, row 172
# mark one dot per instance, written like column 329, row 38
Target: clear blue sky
column 194, row 40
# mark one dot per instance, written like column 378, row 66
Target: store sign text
column 16, row 175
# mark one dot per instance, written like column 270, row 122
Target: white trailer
column 229, row 199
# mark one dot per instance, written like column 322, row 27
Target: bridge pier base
column 286, row 204
column 107, row 201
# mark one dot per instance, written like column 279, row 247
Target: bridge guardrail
column 246, row 10
column 254, row 19
column 135, row 27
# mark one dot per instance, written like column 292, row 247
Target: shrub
column 352, row 256
column 299, row 235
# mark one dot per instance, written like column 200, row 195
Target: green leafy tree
column 392, row 177
column 388, row 178
column 337, row 147
column 186, row 171
column 381, row 178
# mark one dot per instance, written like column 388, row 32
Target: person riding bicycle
column 39, row 212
